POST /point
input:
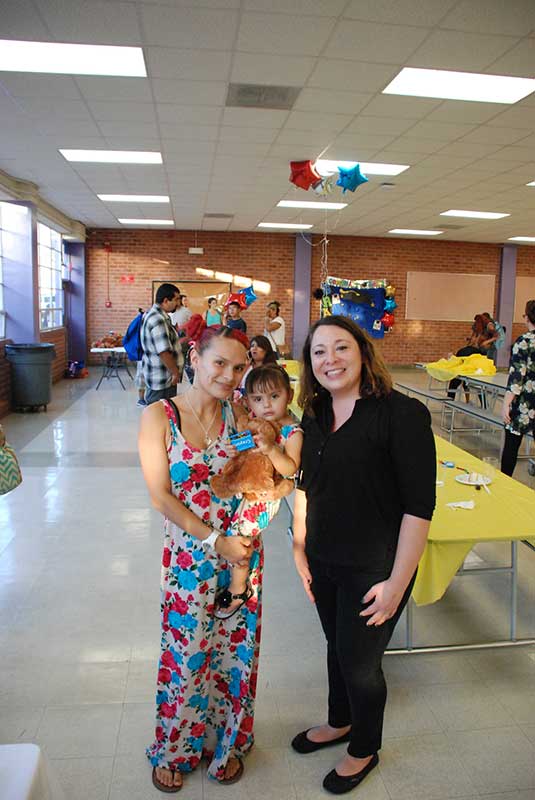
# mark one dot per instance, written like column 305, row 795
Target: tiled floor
column 79, row 572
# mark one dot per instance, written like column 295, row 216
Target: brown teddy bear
column 251, row 473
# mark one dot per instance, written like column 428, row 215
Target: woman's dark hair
column 276, row 304
column 375, row 380
column 479, row 324
column 210, row 299
column 166, row 292
column 530, row 311
column 268, row 376
column 264, row 343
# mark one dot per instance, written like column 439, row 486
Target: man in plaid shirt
column 162, row 356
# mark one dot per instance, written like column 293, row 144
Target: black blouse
column 361, row 479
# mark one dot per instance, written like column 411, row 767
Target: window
column 12, row 226
column 50, row 259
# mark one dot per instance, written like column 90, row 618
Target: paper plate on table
column 473, row 479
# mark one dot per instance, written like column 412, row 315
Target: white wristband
column 211, row 539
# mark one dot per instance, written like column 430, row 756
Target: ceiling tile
column 221, row 4
column 444, row 131
column 66, row 127
column 121, row 89
column 177, row 146
column 412, row 144
column 189, row 115
column 307, row 120
column 322, row 8
column 191, row 28
column 97, row 22
column 23, row 84
column 388, row 126
column 460, row 111
column 121, row 112
column 172, row 62
column 403, row 107
column 195, row 93
column 360, row 41
column 515, row 117
column 45, row 106
column 138, row 130
column 492, row 135
column 459, row 51
column 245, row 148
column 312, row 140
column 401, row 12
column 282, row 33
column 515, row 17
column 272, row 70
column 355, row 76
column 465, row 148
column 254, row 117
column 19, row 21
column 360, row 140
column 518, row 61
column 329, row 100
column 231, row 134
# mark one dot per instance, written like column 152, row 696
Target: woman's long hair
column 375, row 380
column 264, row 343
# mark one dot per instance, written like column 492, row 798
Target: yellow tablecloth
column 507, row 514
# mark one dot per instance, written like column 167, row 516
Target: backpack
column 132, row 339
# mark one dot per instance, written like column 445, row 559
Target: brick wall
column 362, row 258
column 266, row 257
column 5, row 379
column 57, row 337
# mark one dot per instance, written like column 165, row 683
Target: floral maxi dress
column 208, row 667
column 521, row 383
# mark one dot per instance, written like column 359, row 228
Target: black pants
column 510, row 452
column 153, row 395
column 357, row 687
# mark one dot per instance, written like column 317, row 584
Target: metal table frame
column 112, row 359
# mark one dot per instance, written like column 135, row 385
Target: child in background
column 212, row 315
column 233, row 318
column 268, row 394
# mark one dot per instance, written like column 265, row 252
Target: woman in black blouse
column 362, row 513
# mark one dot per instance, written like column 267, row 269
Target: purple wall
column 75, row 315
column 302, row 278
column 20, row 276
column 506, row 301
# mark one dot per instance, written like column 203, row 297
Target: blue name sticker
column 242, row 441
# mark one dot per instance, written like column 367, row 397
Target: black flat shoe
column 340, row 784
column 302, row 744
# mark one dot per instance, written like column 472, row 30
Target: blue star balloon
column 249, row 295
column 390, row 304
column 350, row 178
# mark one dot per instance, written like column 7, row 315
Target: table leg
column 514, row 588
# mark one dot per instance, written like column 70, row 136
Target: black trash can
column 31, row 374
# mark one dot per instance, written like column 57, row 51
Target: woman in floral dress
column 208, row 668
column 518, row 410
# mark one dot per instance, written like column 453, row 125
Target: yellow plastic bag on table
column 447, row 368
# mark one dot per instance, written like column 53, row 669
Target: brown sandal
column 237, row 775
column 161, row 786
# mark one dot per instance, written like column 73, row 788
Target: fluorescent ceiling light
column 411, row 232
column 306, row 204
column 226, row 277
column 71, row 59
column 449, row 85
column 326, row 166
column 208, row 273
column 290, row 225
column 113, row 156
column 146, row 221
column 521, row 239
column 242, row 280
column 133, row 198
column 262, row 287
column 455, row 212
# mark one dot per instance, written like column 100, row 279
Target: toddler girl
column 268, row 394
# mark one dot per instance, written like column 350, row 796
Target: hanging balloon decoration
column 249, row 295
column 236, row 297
column 304, row 175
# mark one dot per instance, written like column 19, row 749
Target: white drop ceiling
column 234, row 161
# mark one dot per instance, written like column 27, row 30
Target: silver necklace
column 207, row 438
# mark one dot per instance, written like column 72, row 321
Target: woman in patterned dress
column 208, row 668
column 518, row 411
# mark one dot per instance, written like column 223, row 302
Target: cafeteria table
column 112, row 358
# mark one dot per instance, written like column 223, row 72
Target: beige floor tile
column 498, row 759
column 19, row 725
column 80, row 731
column 467, row 706
column 131, row 780
column 83, row 778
